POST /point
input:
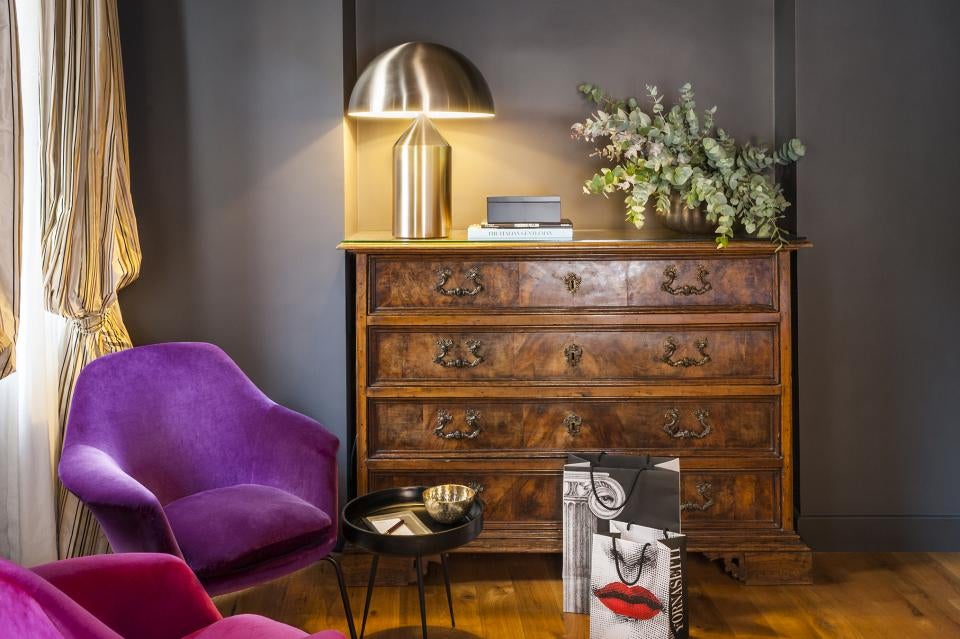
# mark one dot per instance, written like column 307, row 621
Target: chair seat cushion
column 247, row 627
column 228, row 530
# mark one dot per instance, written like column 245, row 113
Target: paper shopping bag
column 638, row 586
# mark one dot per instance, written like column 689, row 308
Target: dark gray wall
column 235, row 115
column 879, row 298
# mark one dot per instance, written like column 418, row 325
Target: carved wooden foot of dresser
column 485, row 364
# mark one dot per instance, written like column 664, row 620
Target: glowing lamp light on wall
column 421, row 81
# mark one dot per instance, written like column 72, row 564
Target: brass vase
column 683, row 219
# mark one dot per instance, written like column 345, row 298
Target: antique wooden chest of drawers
column 487, row 363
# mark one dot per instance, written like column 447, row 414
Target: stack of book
column 522, row 219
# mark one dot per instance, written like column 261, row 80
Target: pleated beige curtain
column 11, row 181
column 90, row 248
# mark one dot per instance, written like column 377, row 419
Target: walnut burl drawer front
column 733, row 282
column 509, row 495
column 464, row 426
column 441, row 285
column 407, row 426
column 574, row 284
column 446, row 354
column 724, row 498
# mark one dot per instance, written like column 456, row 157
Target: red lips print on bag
column 635, row 602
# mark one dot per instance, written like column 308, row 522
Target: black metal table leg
column 366, row 604
column 446, row 582
column 423, row 605
column 343, row 595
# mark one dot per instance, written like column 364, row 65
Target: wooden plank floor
column 520, row 597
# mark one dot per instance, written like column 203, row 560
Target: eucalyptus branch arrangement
column 677, row 152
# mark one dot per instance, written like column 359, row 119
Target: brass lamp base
column 421, row 183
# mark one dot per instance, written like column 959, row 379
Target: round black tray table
column 441, row 540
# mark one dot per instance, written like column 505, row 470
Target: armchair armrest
column 305, row 430
column 131, row 516
column 145, row 595
column 297, row 454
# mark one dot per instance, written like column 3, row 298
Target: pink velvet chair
column 129, row 596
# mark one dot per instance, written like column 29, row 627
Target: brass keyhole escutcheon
column 573, row 422
column 573, row 354
column 572, row 281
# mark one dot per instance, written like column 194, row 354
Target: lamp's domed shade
column 421, row 77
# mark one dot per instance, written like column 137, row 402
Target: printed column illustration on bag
column 581, row 512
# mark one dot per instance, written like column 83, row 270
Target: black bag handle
column 593, row 485
column 616, row 562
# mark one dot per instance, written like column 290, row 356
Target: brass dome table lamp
column 423, row 81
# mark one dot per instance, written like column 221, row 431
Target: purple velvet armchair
column 174, row 450
column 130, row 596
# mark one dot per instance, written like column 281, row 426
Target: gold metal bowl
column 448, row 503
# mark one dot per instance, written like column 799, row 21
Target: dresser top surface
column 647, row 240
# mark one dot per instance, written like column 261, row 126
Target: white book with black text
column 542, row 234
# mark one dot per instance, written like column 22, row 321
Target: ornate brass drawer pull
column 471, row 416
column 573, row 422
column 672, row 425
column 444, row 346
column 705, row 493
column 572, row 281
column 573, row 353
column 670, row 273
column 473, row 275
column 670, row 349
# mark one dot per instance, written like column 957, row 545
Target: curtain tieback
column 90, row 323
